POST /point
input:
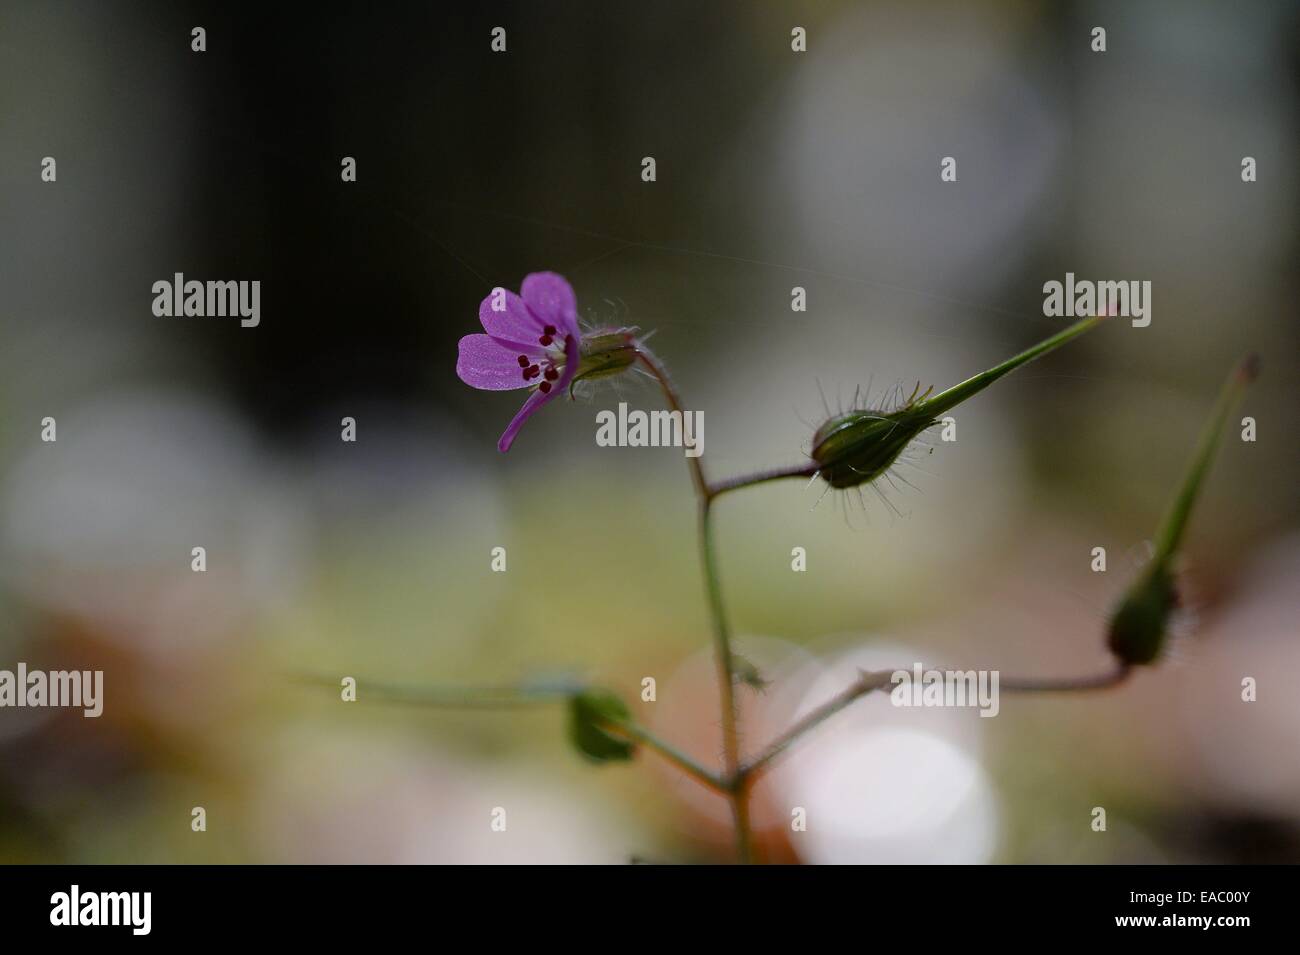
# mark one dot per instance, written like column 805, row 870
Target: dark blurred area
column 774, row 170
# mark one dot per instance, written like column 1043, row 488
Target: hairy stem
column 726, row 683
column 737, row 794
column 762, row 477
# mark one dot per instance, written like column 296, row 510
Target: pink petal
column 535, row 401
column 537, row 398
column 515, row 324
column 551, row 299
column 487, row 364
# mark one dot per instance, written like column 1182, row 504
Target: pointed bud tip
column 1250, row 368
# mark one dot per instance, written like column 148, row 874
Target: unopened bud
column 859, row 446
column 592, row 714
column 1141, row 621
column 605, row 353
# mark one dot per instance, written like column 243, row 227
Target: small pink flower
column 532, row 341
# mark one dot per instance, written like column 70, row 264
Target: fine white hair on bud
column 858, row 446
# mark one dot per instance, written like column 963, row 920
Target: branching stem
column 879, row 679
column 723, row 659
column 865, row 683
column 640, row 734
column 737, row 778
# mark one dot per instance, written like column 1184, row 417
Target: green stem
column 660, row 374
column 726, row 683
column 455, row 698
column 879, row 679
column 509, row 697
column 671, row 753
column 866, row 683
column 948, row 399
column 761, row 477
column 1068, row 684
column 1175, row 520
column 723, row 660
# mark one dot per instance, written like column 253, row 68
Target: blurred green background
column 775, row 169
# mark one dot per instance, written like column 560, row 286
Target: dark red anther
column 523, row 361
column 533, row 371
column 549, row 330
column 546, row 339
column 545, row 386
column 552, row 374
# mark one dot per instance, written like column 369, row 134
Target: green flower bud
column 591, row 713
column 1138, row 626
column 606, row 353
column 859, row 446
column 1141, row 620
